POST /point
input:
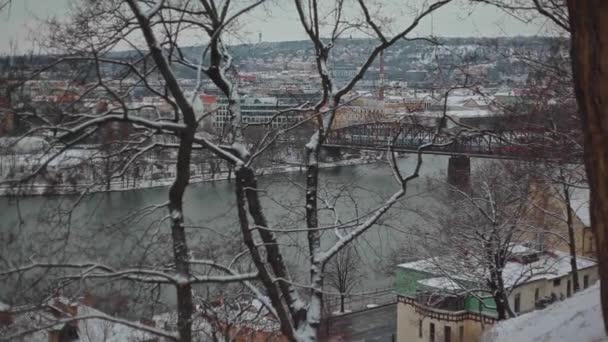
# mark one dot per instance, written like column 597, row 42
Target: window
column 586, row 281
column 536, row 294
column 569, row 288
column 420, row 328
column 461, row 333
column 447, row 333
column 432, row 332
column 557, row 282
column 517, row 303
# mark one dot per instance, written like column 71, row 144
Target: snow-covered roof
column 455, row 100
column 4, row 306
column 462, row 113
column 578, row 318
column 579, row 202
column 555, row 264
column 441, row 283
column 550, row 265
column 423, row 265
column 23, row 145
column 261, row 100
column 249, row 316
column 66, row 158
column 89, row 330
column 95, row 329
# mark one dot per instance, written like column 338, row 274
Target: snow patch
column 314, row 141
column 578, row 318
column 176, row 215
column 241, row 150
column 338, row 313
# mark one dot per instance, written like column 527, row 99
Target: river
column 122, row 229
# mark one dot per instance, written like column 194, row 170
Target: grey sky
column 279, row 22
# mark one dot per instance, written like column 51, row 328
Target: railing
column 359, row 301
column 445, row 315
column 408, row 137
column 436, row 301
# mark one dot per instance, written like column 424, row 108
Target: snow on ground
column 578, row 318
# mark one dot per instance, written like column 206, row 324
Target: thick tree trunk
column 571, row 239
column 498, row 294
column 589, row 53
column 314, row 239
column 247, row 198
column 178, row 235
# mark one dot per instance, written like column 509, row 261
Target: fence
column 359, row 301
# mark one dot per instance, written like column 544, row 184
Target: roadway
column 370, row 325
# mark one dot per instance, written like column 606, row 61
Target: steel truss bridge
column 407, row 137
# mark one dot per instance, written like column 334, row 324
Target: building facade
column 433, row 307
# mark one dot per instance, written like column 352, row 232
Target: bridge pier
column 331, row 153
column 459, row 171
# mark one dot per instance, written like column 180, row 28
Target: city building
column 260, row 110
column 437, row 306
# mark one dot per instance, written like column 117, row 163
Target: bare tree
column 155, row 29
column 344, row 273
column 581, row 21
column 474, row 242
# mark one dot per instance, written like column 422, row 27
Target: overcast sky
column 279, row 22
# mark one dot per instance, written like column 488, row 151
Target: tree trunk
column 313, row 315
column 178, row 235
column 497, row 287
column 571, row 239
column 500, row 306
column 342, row 303
column 589, row 53
column 247, row 198
column 107, row 173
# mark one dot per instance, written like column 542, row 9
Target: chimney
column 65, row 306
column 54, row 335
column 6, row 317
column 88, row 300
column 148, row 322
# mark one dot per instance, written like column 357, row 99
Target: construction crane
column 381, row 81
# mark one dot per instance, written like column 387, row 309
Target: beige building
column 434, row 306
column 549, row 219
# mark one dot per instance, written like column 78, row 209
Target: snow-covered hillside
column 578, row 318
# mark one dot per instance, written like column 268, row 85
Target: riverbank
column 44, row 189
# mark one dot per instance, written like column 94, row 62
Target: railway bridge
column 460, row 145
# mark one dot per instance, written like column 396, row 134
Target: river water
column 122, row 229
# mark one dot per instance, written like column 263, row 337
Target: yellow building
column 436, row 306
column 548, row 219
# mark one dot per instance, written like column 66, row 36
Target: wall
column 526, row 291
column 546, row 287
column 548, row 198
column 408, row 326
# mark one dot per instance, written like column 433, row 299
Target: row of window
column 447, row 332
column 556, row 282
column 273, row 125
column 264, row 119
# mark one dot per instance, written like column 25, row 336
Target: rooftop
column 550, row 265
